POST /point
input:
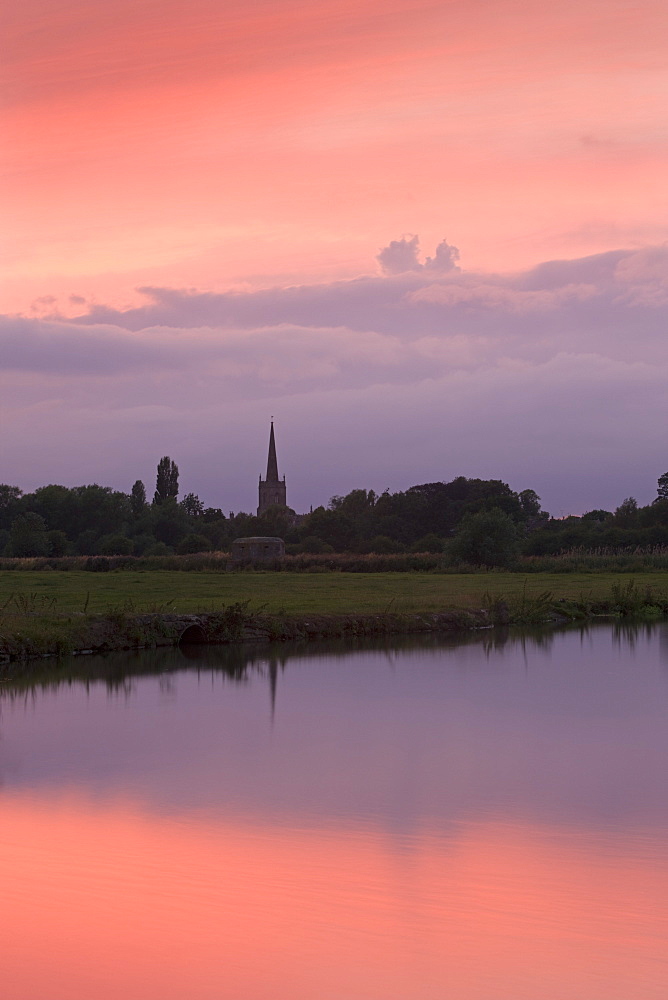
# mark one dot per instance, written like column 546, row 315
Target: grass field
column 283, row 593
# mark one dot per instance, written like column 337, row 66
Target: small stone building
column 257, row 549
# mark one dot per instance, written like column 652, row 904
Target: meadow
column 294, row 593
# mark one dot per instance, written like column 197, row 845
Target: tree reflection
column 237, row 664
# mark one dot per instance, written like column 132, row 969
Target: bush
column 488, row 538
column 312, row 544
column 428, row 543
column 142, row 543
column 192, row 544
column 115, row 545
column 86, row 543
column 158, row 549
column 58, row 544
column 97, row 564
column 382, row 545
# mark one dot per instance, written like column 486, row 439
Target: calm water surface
column 475, row 821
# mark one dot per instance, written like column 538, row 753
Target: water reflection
column 101, row 902
column 479, row 817
column 236, row 663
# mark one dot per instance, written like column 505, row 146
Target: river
column 483, row 818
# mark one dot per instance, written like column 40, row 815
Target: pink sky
column 216, row 143
column 260, row 145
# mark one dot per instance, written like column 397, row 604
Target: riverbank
column 52, row 636
column 34, row 624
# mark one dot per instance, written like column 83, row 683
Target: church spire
column 272, row 464
column 272, row 489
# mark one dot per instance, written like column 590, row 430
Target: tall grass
column 637, row 559
column 633, row 559
column 220, row 562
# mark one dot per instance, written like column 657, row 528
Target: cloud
column 42, row 303
column 643, row 276
column 402, row 256
column 63, row 348
column 552, row 378
column 499, row 298
column 446, row 258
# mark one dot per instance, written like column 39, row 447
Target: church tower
column 272, row 489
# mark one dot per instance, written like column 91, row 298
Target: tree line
column 478, row 521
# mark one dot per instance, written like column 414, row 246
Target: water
column 483, row 820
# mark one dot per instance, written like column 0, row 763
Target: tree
column 104, row 510
column 168, row 522
column 313, row 544
column 354, row 503
column 57, row 505
column 167, row 482
column 28, row 536
column 276, row 521
column 488, row 538
column 57, row 543
column 333, row 527
column 138, row 498
column 213, row 514
column 86, row 542
column 597, row 515
column 437, row 508
column 530, row 503
column 81, row 508
column 192, row 505
column 10, row 497
column 382, row 545
column 655, row 513
column 662, row 487
column 627, row 512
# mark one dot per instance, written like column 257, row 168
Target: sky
column 428, row 237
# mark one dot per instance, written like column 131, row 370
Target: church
column 272, row 489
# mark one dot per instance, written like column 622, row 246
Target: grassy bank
column 58, row 612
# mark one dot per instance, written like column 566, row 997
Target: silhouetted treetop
column 167, row 481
